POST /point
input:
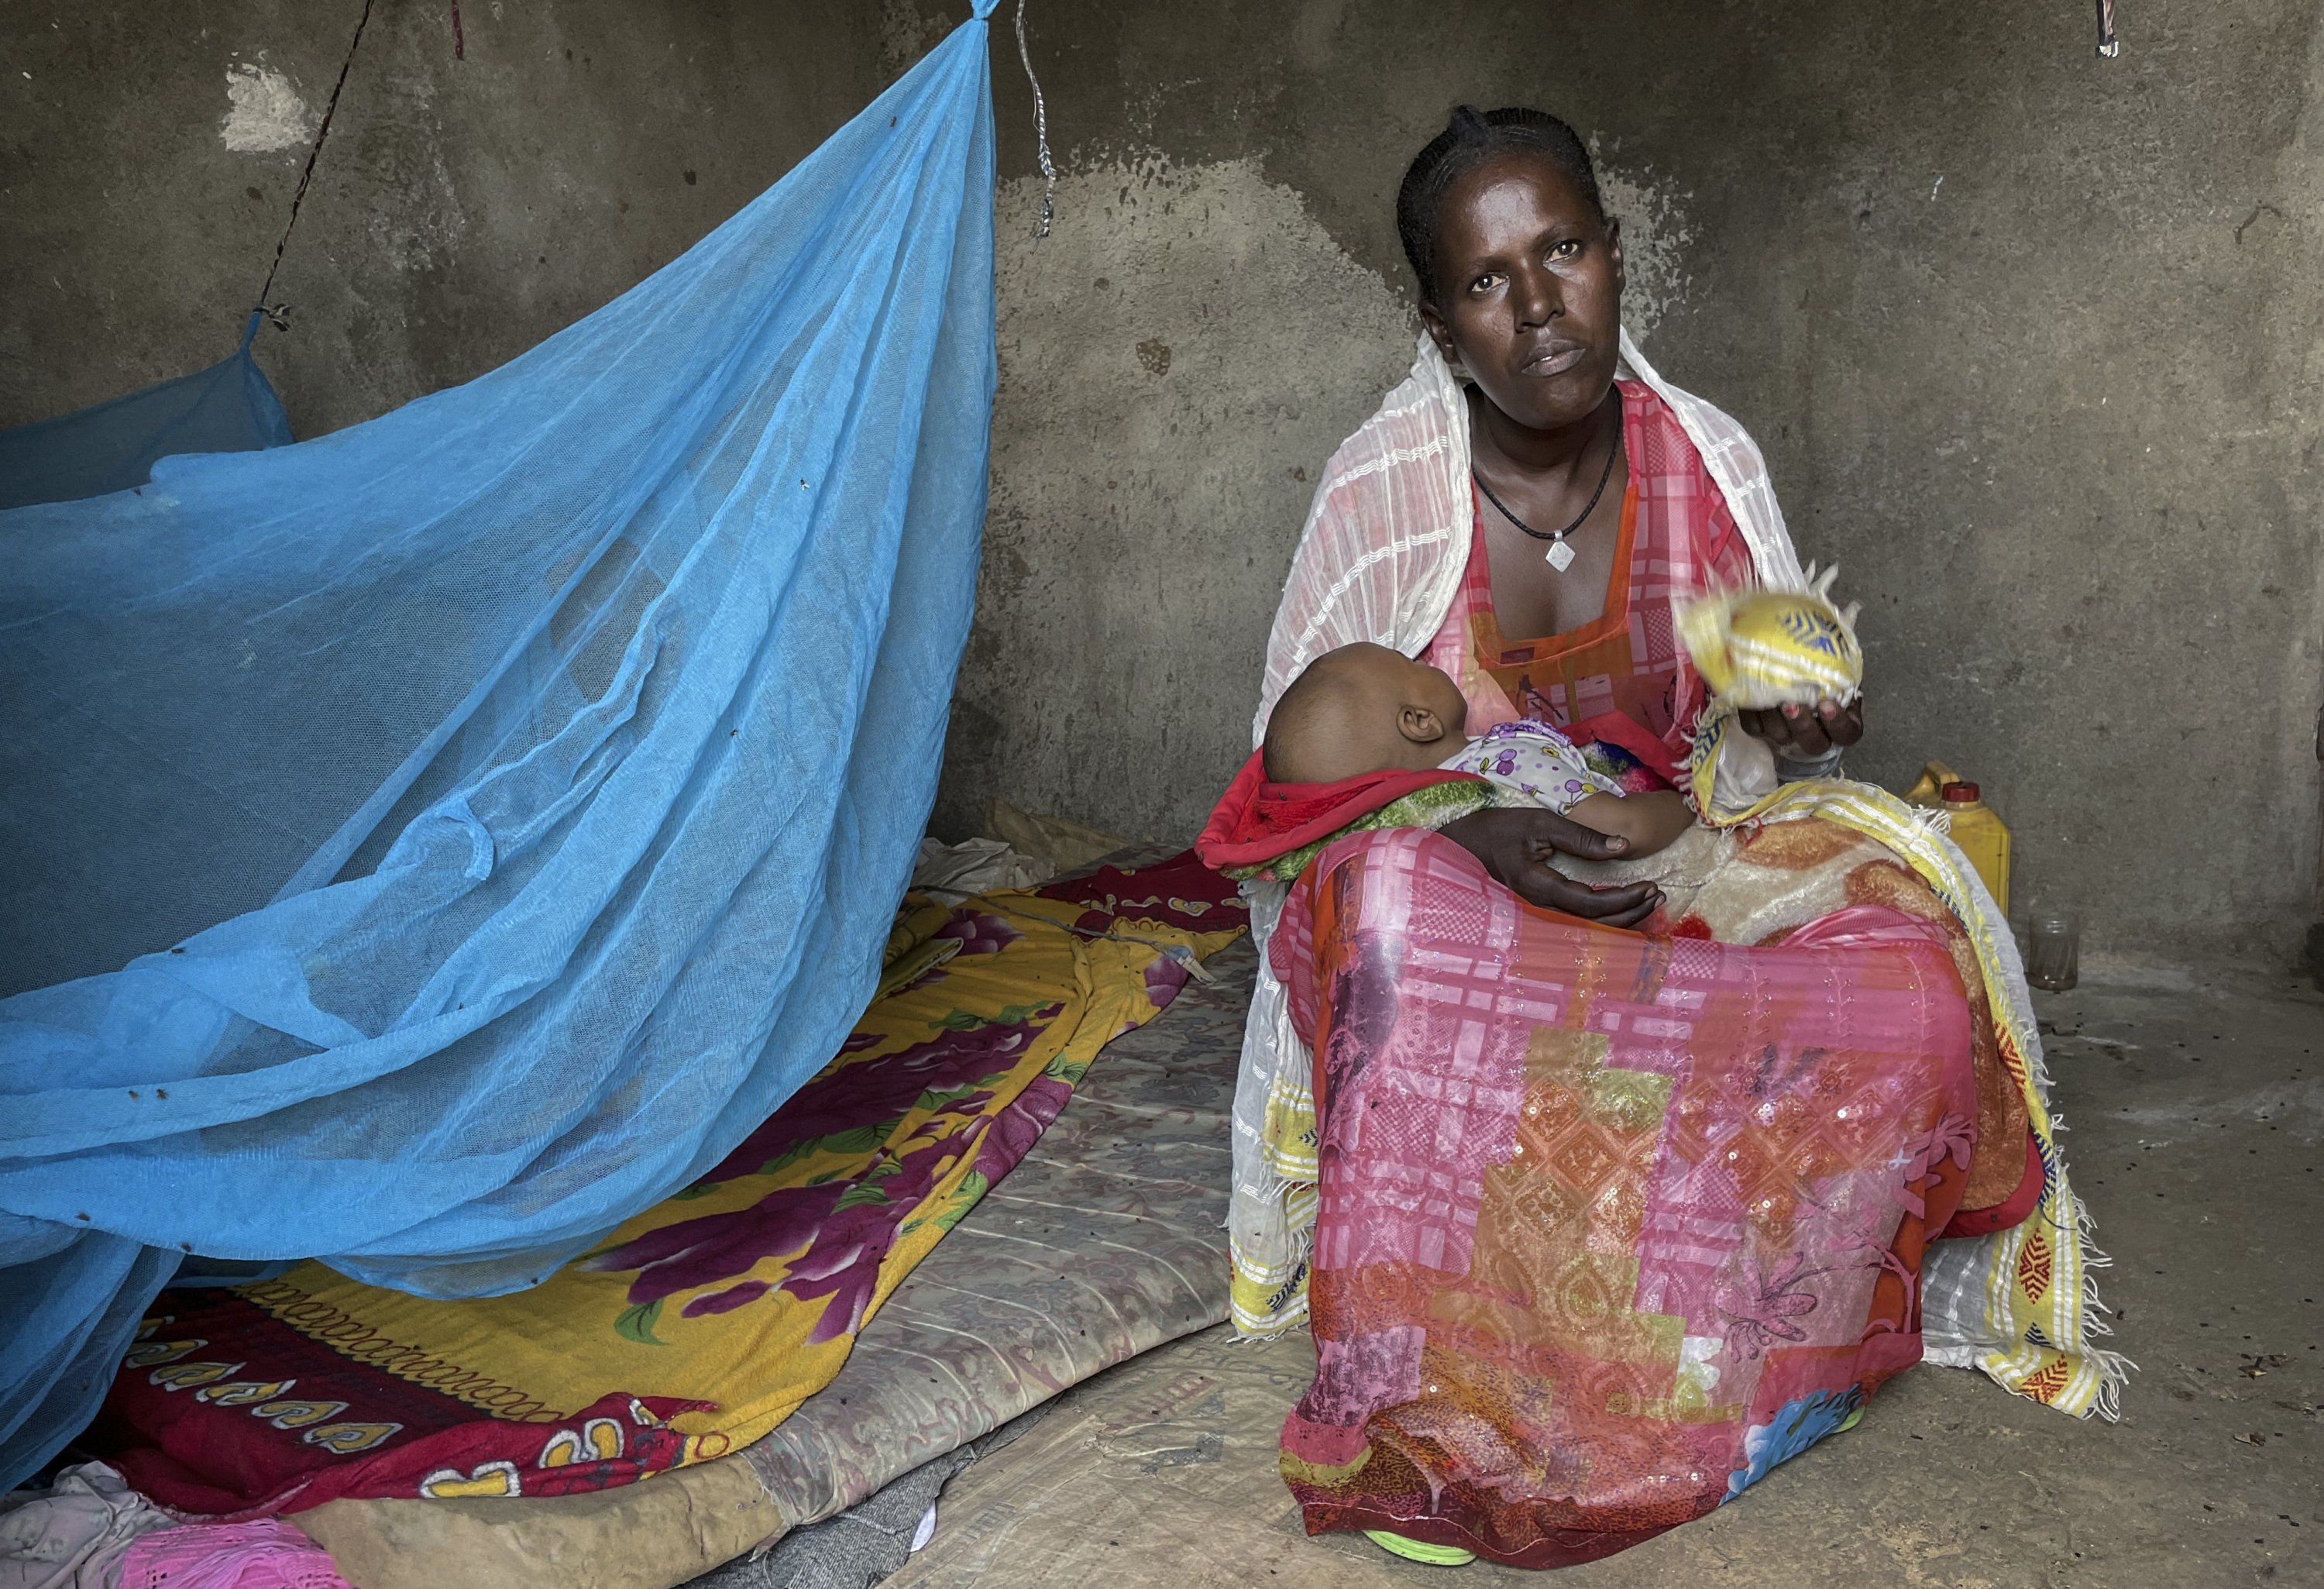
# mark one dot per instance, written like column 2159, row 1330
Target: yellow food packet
column 1759, row 647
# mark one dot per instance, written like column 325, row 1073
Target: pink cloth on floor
column 265, row 1554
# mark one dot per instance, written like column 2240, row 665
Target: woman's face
column 1528, row 290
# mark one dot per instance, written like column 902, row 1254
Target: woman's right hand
column 1515, row 846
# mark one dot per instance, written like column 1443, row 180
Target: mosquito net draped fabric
column 229, row 407
column 427, row 845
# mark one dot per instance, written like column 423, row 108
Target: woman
column 1740, row 1155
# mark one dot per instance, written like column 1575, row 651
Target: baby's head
column 1362, row 708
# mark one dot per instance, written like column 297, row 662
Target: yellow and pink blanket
column 701, row 1324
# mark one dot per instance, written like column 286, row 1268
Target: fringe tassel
column 2114, row 1369
column 1275, row 1190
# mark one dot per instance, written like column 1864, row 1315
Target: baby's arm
column 1650, row 821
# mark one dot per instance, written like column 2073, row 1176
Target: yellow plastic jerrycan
column 1982, row 836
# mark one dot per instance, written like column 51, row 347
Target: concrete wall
column 2034, row 342
column 2056, row 414
column 464, row 209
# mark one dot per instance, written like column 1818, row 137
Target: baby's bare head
column 1362, row 708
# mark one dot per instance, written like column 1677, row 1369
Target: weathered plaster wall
column 2032, row 341
column 1178, row 356
column 2056, row 414
column 463, row 209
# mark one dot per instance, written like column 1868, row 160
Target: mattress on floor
column 1106, row 1241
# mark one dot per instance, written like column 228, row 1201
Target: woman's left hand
column 1801, row 734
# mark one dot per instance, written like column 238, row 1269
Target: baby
column 1364, row 708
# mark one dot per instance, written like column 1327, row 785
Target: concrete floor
column 2195, row 1105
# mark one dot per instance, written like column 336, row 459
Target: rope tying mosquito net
column 426, row 845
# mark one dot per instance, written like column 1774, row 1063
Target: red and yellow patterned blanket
column 704, row 1322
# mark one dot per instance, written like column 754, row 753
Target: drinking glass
column 2053, row 942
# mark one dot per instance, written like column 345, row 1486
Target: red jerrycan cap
column 1960, row 794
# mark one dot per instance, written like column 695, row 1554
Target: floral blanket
column 704, row 1322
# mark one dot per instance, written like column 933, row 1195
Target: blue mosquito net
column 229, row 407
column 424, row 847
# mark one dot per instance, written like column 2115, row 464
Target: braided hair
column 1471, row 138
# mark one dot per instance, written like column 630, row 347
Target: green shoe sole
column 1435, row 1556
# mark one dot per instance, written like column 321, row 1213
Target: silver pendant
column 1560, row 555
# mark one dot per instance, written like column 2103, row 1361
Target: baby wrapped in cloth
column 1364, row 723
column 1366, row 737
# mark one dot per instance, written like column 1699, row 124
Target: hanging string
column 2108, row 45
column 1041, row 127
column 307, row 176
